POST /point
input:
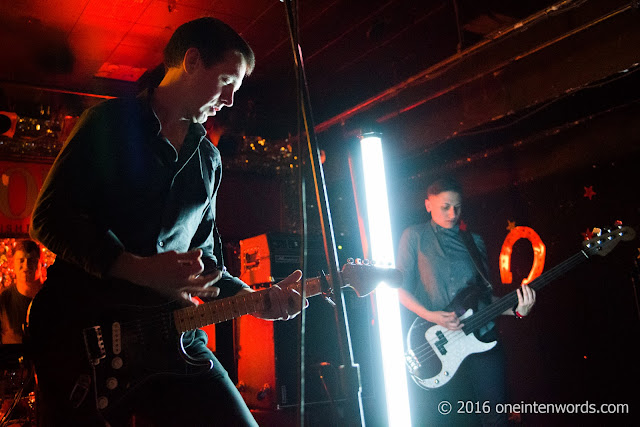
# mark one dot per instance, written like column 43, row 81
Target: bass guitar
column 96, row 343
column 434, row 353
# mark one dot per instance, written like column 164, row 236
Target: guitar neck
column 510, row 300
column 217, row 311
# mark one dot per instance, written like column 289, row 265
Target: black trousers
column 210, row 399
column 470, row 397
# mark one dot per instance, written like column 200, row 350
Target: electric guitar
column 96, row 343
column 434, row 353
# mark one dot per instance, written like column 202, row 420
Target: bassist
column 437, row 265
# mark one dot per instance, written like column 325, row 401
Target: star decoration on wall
column 588, row 192
column 587, row 234
column 511, row 225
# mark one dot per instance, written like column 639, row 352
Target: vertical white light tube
column 381, row 243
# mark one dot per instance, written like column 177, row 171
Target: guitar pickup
column 94, row 344
column 442, row 341
column 116, row 338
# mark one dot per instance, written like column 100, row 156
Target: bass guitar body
column 435, row 353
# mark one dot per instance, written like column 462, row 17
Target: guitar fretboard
column 495, row 309
column 218, row 311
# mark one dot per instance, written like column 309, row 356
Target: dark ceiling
column 352, row 49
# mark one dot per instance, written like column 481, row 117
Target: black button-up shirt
column 119, row 185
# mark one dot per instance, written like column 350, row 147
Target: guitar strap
column 487, row 333
column 474, row 252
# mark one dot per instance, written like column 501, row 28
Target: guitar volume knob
column 116, row 363
column 112, row 383
column 102, row 402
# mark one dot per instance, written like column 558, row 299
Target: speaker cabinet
column 267, row 352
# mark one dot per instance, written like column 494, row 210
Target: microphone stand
column 349, row 372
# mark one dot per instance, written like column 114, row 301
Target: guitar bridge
column 412, row 361
column 94, row 344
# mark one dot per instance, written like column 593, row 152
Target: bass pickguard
column 436, row 353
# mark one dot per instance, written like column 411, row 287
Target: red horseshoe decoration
column 539, row 252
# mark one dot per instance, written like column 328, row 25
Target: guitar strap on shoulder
column 474, row 252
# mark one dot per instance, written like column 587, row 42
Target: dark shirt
column 13, row 315
column 118, row 185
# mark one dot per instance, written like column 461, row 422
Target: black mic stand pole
column 349, row 372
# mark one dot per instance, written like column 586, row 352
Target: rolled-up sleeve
column 406, row 260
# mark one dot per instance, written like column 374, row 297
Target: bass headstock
column 605, row 240
column 363, row 276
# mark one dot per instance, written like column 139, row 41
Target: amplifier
column 267, row 352
column 271, row 257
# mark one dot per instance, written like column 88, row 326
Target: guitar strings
column 163, row 314
column 481, row 317
column 425, row 351
column 492, row 311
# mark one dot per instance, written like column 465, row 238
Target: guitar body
column 95, row 344
column 435, row 353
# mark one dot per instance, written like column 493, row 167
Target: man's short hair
column 444, row 184
column 213, row 39
column 27, row 246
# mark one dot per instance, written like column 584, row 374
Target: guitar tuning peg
column 618, row 224
column 597, row 231
column 373, row 262
column 358, row 261
column 365, row 261
column 350, row 261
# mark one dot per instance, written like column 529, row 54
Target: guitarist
column 437, row 264
column 132, row 196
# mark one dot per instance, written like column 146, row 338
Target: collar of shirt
column 439, row 229
column 444, row 235
column 194, row 137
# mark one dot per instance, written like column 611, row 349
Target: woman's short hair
column 444, row 184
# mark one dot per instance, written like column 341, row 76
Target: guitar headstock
column 605, row 240
column 364, row 276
